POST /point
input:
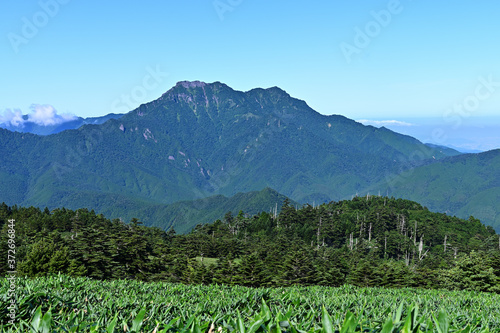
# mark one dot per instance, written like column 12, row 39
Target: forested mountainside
column 183, row 216
column 202, row 140
column 365, row 241
column 199, row 140
column 463, row 185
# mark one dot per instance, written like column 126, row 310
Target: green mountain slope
column 181, row 215
column 199, row 140
column 185, row 215
column 463, row 185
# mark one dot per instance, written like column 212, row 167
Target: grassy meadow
column 64, row 304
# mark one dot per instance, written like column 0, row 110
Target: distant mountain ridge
column 465, row 185
column 40, row 129
column 200, row 140
column 184, row 215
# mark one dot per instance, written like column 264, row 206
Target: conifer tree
column 297, row 269
column 226, row 270
column 251, row 271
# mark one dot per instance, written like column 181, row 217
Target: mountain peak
column 182, row 86
column 272, row 90
column 200, row 84
column 191, row 84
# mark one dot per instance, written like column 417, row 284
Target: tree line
column 366, row 241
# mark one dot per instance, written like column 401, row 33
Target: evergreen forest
column 367, row 241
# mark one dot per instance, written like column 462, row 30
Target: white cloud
column 12, row 118
column 46, row 115
column 43, row 115
column 379, row 123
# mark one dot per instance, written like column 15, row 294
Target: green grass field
column 213, row 261
column 63, row 304
column 206, row 261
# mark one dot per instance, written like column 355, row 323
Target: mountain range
column 29, row 126
column 200, row 141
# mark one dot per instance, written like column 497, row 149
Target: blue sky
column 384, row 60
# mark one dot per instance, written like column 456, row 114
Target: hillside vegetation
column 464, row 185
column 366, row 241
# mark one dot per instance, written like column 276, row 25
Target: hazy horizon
column 473, row 135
